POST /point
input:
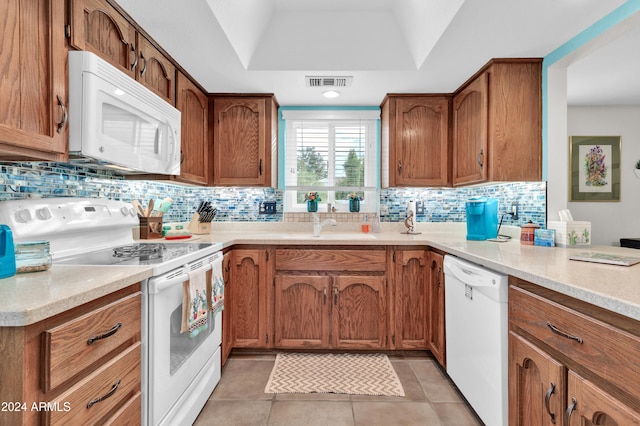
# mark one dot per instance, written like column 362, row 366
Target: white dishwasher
column 476, row 335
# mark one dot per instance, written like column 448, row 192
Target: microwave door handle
column 156, row 141
column 175, row 153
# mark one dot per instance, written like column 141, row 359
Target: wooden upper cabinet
column 497, row 124
column 99, row 28
column 195, row 141
column 155, row 71
column 33, row 87
column 415, row 140
column 470, row 108
column 245, row 140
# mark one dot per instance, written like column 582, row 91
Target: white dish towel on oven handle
column 216, row 302
column 195, row 301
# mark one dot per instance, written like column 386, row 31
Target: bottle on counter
column 375, row 225
column 366, row 226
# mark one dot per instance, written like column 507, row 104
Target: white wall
column 611, row 221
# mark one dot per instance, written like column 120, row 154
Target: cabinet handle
column 105, row 335
column 399, row 167
column 335, row 296
column 135, row 55
column 547, row 397
column 144, row 66
column 570, row 409
column 325, row 295
column 260, row 167
column 65, row 115
column 113, row 390
column 181, row 157
column 480, row 158
column 563, row 334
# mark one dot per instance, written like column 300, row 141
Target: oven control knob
column 23, row 216
column 132, row 212
column 124, row 211
column 43, row 213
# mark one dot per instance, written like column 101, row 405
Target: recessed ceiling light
column 331, row 94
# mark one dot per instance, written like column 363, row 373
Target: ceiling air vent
column 341, row 81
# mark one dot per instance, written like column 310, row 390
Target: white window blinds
column 331, row 152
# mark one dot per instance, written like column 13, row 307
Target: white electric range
column 179, row 370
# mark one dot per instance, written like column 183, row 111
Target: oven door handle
column 158, row 286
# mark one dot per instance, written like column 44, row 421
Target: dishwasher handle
column 471, row 275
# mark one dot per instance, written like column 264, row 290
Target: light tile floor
column 239, row 399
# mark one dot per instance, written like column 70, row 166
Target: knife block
column 198, row 228
column 150, row 227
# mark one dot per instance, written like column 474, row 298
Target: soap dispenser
column 7, row 253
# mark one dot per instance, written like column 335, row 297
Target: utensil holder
column 198, row 228
column 150, row 227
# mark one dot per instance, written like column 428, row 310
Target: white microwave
column 115, row 122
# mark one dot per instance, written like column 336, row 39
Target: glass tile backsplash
column 235, row 204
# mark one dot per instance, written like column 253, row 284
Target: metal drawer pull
column 111, row 332
column 570, row 410
column 547, row 397
column 563, row 334
column 113, row 390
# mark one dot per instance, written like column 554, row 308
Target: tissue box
column 571, row 234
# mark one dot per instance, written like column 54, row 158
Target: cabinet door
column 302, row 311
column 359, row 312
column 537, row 391
column 470, row 132
column 33, row 87
column 421, row 141
column 436, row 307
column 239, row 143
column 155, row 71
column 97, row 27
column 590, row 405
column 227, row 330
column 249, row 298
column 411, row 299
column 194, row 146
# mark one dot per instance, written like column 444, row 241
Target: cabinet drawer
column 589, row 343
column 331, row 260
column 71, row 347
column 107, row 388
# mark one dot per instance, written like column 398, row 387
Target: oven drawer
column 103, row 391
column 77, row 344
column 589, row 342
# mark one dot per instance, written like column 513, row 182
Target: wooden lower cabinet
column 324, row 299
column 570, row 363
column 227, row 330
column 435, row 309
column 338, row 311
column 249, row 295
column 411, row 299
column 82, row 366
column 302, row 311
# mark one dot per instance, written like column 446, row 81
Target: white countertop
column 28, row 298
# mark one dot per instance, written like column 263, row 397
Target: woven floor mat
column 354, row 374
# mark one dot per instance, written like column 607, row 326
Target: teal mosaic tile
column 239, row 204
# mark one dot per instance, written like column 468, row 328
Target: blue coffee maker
column 7, row 253
column 482, row 218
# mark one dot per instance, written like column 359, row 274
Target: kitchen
column 242, row 204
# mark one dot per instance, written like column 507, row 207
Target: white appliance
column 476, row 335
column 179, row 370
column 116, row 122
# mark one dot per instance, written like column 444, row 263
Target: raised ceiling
column 388, row 46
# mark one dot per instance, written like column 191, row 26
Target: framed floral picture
column 594, row 168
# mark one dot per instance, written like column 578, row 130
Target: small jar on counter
column 32, row 256
column 527, row 233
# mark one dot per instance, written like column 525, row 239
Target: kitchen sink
column 333, row 236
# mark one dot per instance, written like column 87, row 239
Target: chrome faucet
column 317, row 226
